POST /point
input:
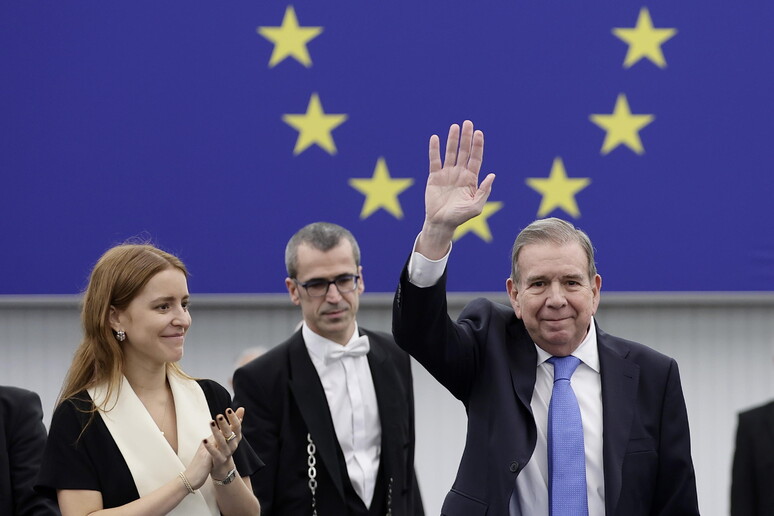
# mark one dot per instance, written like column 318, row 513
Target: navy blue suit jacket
column 488, row 361
column 752, row 488
column 22, row 439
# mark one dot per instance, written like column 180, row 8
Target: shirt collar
column 587, row 352
column 318, row 346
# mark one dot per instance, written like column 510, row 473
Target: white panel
column 724, row 348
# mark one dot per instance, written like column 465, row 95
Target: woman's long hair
column 117, row 278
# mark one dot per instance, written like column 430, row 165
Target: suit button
column 514, row 467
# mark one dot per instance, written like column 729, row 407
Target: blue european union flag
column 220, row 128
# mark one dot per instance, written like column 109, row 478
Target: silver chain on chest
column 311, row 462
column 311, row 449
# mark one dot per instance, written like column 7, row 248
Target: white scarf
column 151, row 460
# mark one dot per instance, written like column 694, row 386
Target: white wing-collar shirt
column 349, row 389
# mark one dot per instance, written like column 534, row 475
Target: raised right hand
column 453, row 195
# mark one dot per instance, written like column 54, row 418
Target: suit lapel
column 620, row 378
column 390, row 400
column 310, row 398
column 523, row 363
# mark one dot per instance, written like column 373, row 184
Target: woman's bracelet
column 186, row 483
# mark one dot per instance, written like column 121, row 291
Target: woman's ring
column 231, row 437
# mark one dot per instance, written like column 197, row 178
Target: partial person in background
column 22, row 438
column 331, row 409
column 752, row 476
column 131, row 429
column 245, row 357
column 612, row 438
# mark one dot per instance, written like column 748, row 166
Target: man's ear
column 596, row 288
column 513, row 296
column 293, row 292
column 360, row 282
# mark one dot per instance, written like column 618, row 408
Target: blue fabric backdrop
column 217, row 129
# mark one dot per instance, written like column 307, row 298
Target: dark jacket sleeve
column 25, row 439
column 422, row 327
column 676, row 487
column 744, row 482
column 261, row 429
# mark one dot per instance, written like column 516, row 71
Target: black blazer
column 752, row 478
column 284, row 401
column 487, row 360
column 22, row 439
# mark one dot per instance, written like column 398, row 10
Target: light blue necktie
column 566, row 453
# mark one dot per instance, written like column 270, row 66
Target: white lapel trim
column 151, row 460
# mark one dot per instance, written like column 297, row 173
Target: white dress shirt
column 532, row 483
column 349, row 389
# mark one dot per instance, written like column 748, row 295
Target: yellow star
column 289, row 39
column 381, row 191
column 622, row 126
column 644, row 40
column 558, row 190
column 478, row 224
column 314, row 127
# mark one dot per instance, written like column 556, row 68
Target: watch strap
column 229, row 478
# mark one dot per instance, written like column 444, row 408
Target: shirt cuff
column 423, row 272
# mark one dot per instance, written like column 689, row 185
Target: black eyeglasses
column 319, row 287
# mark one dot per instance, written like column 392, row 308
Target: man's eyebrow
column 344, row 275
column 543, row 277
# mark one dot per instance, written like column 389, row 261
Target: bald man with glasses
column 330, row 410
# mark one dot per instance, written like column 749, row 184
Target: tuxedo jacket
column 752, row 479
column 284, row 402
column 22, row 439
column 488, row 361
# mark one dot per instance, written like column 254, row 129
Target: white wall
column 723, row 343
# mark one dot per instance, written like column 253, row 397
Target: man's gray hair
column 555, row 231
column 323, row 236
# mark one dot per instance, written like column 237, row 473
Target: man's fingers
column 465, row 142
column 476, row 153
column 452, row 142
column 484, row 189
column 435, row 154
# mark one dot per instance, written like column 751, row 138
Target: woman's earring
column 120, row 335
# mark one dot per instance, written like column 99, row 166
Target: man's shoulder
column 486, row 309
column 487, row 304
column 385, row 341
column 16, row 394
column 271, row 361
column 632, row 350
column 380, row 336
column 759, row 412
column 18, row 402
